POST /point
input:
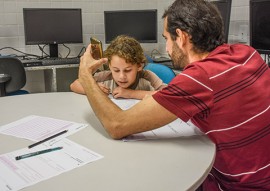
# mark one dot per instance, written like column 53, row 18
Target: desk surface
column 172, row 164
column 49, row 67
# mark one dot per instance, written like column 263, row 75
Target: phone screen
column 96, row 46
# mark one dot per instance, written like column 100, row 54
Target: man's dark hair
column 200, row 19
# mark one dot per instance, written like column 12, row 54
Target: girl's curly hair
column 127, row 48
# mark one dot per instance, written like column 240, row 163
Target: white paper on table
column 177, row 128
column 125, row 103
column 17, row 174
column 36, row 128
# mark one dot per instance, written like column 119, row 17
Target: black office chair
column 12, row 76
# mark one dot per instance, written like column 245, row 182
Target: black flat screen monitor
column 140, row 24
column 53, row 27
column 260, row 25
column 224, row 7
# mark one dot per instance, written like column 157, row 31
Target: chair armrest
column 4, row 78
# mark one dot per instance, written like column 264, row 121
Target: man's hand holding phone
column 89, row 65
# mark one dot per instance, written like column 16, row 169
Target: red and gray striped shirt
column 227, row 95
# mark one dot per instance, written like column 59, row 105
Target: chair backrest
column 165, row 73
column 13, row 75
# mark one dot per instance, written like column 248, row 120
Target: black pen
column 37, row 153
column 48, row 138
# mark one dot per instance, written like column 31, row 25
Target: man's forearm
column 103, row 107
column 140, row 94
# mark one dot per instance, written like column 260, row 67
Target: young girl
column 126, row 78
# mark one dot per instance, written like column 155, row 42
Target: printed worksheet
column 17, row 174
column 36, row 128
column 177, row 128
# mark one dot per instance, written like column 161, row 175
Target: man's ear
column 182, row 37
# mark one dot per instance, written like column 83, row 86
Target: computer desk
column 50, row 74
column 157, row 165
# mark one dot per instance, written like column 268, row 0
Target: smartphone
column 96, row 46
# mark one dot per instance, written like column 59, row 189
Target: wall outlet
column 243, row 33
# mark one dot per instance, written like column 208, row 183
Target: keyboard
column 50, row 61
column 161, row 59
column 60, row 61
column 31, row 63
column 168, row 64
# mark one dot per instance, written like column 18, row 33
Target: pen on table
column 37, row 153
column 48, row 138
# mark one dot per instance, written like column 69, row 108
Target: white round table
column 154, row 165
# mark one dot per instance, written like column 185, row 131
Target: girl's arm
column 77, row 87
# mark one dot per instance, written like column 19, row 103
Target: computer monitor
column 260, row 25
column 140, row 24
column 224, row 7
column 52, row 27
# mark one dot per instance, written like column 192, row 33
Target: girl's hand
column 104, row 88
